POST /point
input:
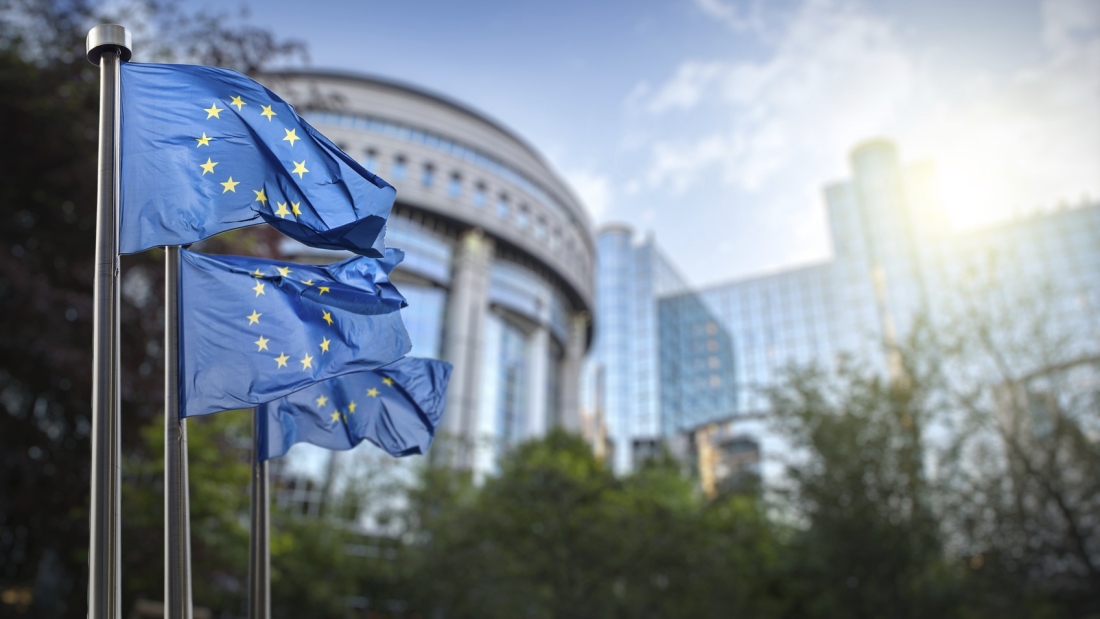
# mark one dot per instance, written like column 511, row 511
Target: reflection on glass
column 398, row 171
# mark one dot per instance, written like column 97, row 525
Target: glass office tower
column 659, row 361
column 894, row 259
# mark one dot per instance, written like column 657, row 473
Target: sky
column 716, row 124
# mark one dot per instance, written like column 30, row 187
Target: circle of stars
column 236, row 105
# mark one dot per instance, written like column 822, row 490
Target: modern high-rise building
column 656, row 365
column 894, row 259
column 499, row 253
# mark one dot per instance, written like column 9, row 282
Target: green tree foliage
column 219, row 448
column 1018, row 484
column 49, row 106
column 315, row 568
column 556, row 535
column 870, row 545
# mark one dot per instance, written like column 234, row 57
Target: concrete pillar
column 538, row 360
column 466, row 307
column 569, row 417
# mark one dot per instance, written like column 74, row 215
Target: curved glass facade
column 443, row 144
column 498, row 257
column 424, row 318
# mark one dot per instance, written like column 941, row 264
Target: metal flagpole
column 107, row 46
column 259, row 556
column 177, row 523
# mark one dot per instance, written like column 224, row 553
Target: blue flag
column 396, row 407
column 205, row 150
column 255, row 330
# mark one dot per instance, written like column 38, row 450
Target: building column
column 466, row 306
column 569, row 417
column 538, row 360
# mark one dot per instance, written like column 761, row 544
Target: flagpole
column 108, row 46
column 259, row 556
column 177, row 512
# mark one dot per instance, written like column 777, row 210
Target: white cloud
column 779, row 127
column 685, row 89
column 835, row 73
column 738, row 20
column 1031, row 139
column 594, row 190
column 1067, row 23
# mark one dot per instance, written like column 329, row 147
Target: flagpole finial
column 105, row 37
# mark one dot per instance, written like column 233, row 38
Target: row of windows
column 446, row 145
column 520, row 215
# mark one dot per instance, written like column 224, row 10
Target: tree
column 869, row 542
column 1021, row 495
column 555, row 534
column 49, row 101
column 219, row 452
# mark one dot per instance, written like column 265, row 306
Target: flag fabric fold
column 254, row 330
column 205, row 150
column 396, row 407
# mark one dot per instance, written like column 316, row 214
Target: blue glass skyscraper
column 894, row 259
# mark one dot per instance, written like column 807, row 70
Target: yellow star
column 282, row 212
column 300, row 169
column 308, row 282
column 259, row 288
column 208, row 166
column 372, row 392
column 387, row 382
column 237, row 102
column 294, row 208
column 281, row 360
column 323, row 290
column 345, row 418
column 324, row 343
column 307, row 361
column 291, row 136
column 260, row 196
column 230, row 185
column 284, row 271
column 267, row 112
column 261, row 343
column 257, row 273
column 327, row 317
column 351, row 408
column 336, row 416
column 321, row 401
column 254, row 318
column 203, row 141
column 213, row 111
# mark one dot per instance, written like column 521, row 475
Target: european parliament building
column 682, row 366
column 499, row 259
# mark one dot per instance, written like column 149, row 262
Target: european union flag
column 205, row 150
column 255, row 330
column 396, row 407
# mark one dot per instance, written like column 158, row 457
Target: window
column 540, row 229
column 398, row 171
column 370, row 159
column 427, row 178
column 454, row 186
column 479, row 195
column 523, row 217
column 502, row 206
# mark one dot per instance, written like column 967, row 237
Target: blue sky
column 715, row 124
